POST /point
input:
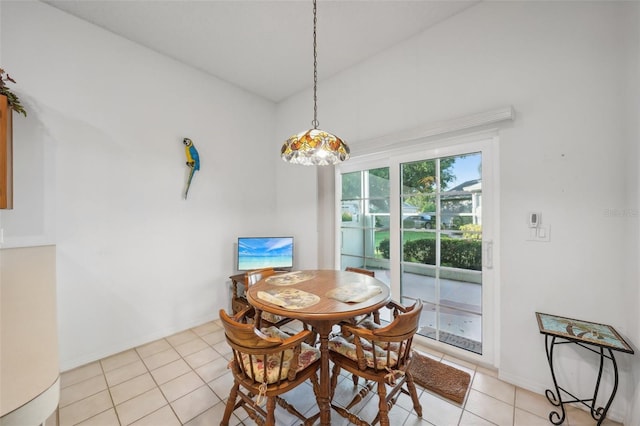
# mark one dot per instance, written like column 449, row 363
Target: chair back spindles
column 266, row 363
column 252, row 277
column 265, row 318
column 378, row 354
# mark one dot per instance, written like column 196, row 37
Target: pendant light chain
column 314, row 147
column 315, row 122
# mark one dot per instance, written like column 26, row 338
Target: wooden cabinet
column 6, row 154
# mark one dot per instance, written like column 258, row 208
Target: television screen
column 265, row 252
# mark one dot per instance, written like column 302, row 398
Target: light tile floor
column 183, row 380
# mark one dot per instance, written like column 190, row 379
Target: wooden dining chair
column 375, row 315
column 266, row 318
column 360, row 271
column 266, row 363
column 381, row 356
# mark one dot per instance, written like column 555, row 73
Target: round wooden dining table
column 311, row 296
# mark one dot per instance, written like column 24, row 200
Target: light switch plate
column 540, row 234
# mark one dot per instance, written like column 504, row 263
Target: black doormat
column 452, row 339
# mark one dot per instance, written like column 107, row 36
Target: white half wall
column 100, row 172
column 29, row 375
column 564, row 66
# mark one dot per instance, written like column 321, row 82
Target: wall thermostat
column 534, row 219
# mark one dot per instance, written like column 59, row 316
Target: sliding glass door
column 441, row 246
column 423, row 221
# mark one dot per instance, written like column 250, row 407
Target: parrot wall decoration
column 193, row 161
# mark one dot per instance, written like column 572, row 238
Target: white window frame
column 483, row 141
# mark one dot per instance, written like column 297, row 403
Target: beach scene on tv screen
column 256, row 253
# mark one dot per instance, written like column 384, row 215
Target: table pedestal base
column 324, row 328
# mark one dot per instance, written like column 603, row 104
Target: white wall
column 100, row 170
column 633, row 159
column 564, row 66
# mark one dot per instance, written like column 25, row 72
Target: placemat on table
column 289, row 298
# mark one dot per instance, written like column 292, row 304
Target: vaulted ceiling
column 265, row 46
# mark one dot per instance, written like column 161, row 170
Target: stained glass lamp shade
column 314, row 147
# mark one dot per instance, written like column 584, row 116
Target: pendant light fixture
column 314, row 147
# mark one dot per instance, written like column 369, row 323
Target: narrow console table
column 601, row 339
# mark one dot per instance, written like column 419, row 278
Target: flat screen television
column 265, row 252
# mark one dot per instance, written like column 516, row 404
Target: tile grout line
column 155, row 382
column 113, row 405
column 103, row 375
column 196, row 373
column 58, row 408
column 466, row 399
column 205, row 383
column 191, row 369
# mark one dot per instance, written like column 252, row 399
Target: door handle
column 487, row 254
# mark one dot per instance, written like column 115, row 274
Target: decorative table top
column 582, row 331
column 295, row 296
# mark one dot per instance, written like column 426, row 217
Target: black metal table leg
column 600, row 413
column 555, row 398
